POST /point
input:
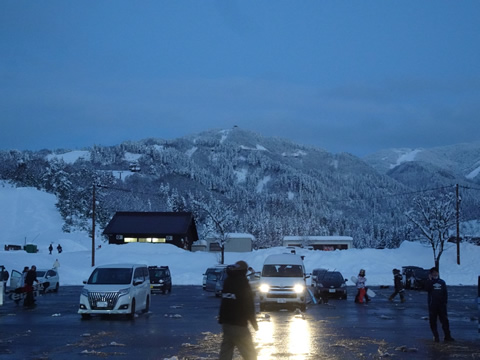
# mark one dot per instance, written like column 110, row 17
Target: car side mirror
column 346, row 280
column 137, row 282
column 84, row 281
column 307, row 276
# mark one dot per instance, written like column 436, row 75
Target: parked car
column 213, row 279
column 414, row 277
column 116, row 289
column 49, row 276
column 44, row 276
column 328, row 284
column 160, row 279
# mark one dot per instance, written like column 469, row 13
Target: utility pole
column 458, row 224
column 93, row 226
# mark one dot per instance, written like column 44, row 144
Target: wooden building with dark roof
column 177, row 228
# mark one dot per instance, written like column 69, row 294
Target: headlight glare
column 264, row 288
column 299, row 288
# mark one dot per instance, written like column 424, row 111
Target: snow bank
column 30, row 216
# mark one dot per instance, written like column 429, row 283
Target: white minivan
column 116, row 289
column 283, row 282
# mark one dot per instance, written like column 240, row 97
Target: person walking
column 50, row 249
column 30, row 278
column 398, row 283
column 59, row 248
column 361, row 296
column 237, row 309
column 437, row 305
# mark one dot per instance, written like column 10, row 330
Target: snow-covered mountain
column 265, row 186
column 460, row 160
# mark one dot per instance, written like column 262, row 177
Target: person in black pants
column 437, row 305
column 237, row 309
column 30, row 278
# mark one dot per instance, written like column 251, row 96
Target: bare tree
column 433, row 217
column 219, row 221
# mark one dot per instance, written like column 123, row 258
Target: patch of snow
column 290, row 195
column 71, row 156
column 191, row 151
column 405, row 156
column 262, row 183
column 241, row 175
column 132, row 157
column 256, row 148
column 159, row 147
column 335, row 164
column 224, row 135
column 473, row 174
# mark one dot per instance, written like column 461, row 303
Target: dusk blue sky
column 346, row 76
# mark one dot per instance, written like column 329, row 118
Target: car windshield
column 113, row 276
column 215, row 274
column 333, row 277
column 157, row 273
column 41, row 273
column 282, row 271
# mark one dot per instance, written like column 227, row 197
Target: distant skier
column 398, row 283
column 59, row 248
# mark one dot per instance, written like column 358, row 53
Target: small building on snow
column 234, row 242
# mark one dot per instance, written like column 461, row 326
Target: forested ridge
column 268, row 187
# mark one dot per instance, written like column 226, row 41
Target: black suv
column 414, row 277
column 328, row 284
column 160, row 279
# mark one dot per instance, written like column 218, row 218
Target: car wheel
column 56, row 287
column 86, row 316
column 132, row 310
column 147, row 305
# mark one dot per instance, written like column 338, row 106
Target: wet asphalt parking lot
column 183, row 324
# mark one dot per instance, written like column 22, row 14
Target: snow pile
column 30, row 216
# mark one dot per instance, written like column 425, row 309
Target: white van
column 283, row 282
column 116, row 289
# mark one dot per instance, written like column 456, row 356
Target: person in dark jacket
column 398, row 283
column 437, row 305
column 30, row 278
column 237, row 309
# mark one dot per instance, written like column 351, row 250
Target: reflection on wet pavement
column 270, row 337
